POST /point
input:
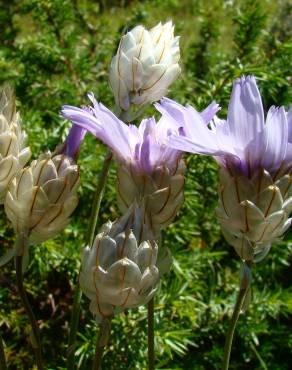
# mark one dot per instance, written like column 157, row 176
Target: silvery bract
column 254, row 212
column 161, row 192
column 119, row 271
column 145, row 65
column 13, row 150
column 256, row 161
column 149, row 170
column 42, row 197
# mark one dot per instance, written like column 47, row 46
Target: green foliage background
column 54, row 52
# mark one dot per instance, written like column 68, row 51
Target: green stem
column 244, row 287
column 101, row 342
column 91, row 232
column 35, row 336
column 98, row 197
column 2, row 355
column 151, row 353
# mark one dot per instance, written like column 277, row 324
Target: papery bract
column 145, row 65
column 13, row 150
column 119, row 271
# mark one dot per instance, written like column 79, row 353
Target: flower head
column 13, row 150
column 120, row 270
column 145, row 65
column 145, row 147
column 244, row 141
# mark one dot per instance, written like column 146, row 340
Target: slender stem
column 151, row 354
column 235, row 315
column 35, row 339
column 101, row 342
column 90, row 237
column 98, row 196
column 2, row 355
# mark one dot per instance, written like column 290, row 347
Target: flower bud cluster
column 145, row 65
column 119, row 271
column 41, row 198
column 13, row 150
column 161, row 193
column 254, row 212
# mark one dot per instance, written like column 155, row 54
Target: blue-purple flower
column 244, row 141
column 145, row 147
column 255, row 194
column 149, row 170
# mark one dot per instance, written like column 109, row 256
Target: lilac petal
column 246, row 115
column 103, row 124
column 277, row 138
column 73, row 141
column 81, row 117
column 186, row 144
column 209, row 113
column 289, row 120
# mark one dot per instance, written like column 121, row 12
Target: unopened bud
column 145, row 65
column 119, row 271
column 13, row 150
column 254, row 213
column 42, row 197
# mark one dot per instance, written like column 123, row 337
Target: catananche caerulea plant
column 255, row 158
column 150, row 175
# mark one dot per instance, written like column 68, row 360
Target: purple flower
column 145, row 147
column 244, row 142
column 73, row 141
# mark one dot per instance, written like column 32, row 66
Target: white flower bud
column 13, row 151
column 161, row 192
column 145, row 65
column 42, row 197
column 119, row 271
column 254, row 213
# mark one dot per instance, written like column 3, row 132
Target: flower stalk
column 91, row 231
column 35, row 335
column 150, row 332
column 101, row 342
column 238, row 308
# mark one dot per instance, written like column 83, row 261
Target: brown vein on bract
column 271, row 202
column 34, row 198
column 61, row 193
column 236, row 188
column 263, row 233
column 150, row 87
column 165, row 203
column 96, row 291
column 171, row 216
column 77, row 178
column 128, row 295
column 41, row 170
column 278, row 171
column 60, row 163
column 8, row 147
column 10, row 169
column 283, row 216
column 246, row 219
column 17, row 191
column 222, row 199
column 289, row 184
column 260, row 181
